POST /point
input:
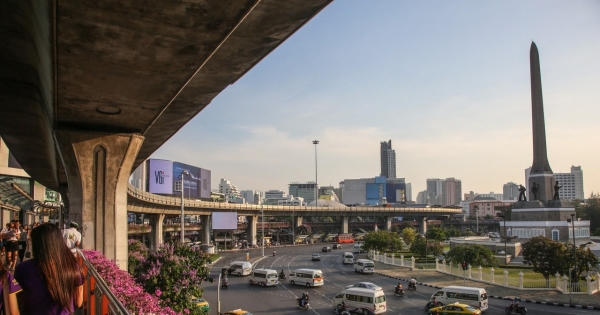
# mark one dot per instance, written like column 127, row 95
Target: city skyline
column 447, row 83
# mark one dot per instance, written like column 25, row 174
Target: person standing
column 72, row 237
column 52, row 281
column 8, row 289
column 22, row 242
column 11, row 245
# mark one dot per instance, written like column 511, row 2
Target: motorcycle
column 399, row 293
column 273, row 253
column 299, row 304
column 431, row 305
column 224, row 285
column 517, row 309
column 338, row 310
column 412, row 286
column 282, row 277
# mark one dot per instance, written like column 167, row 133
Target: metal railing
column 98, row 299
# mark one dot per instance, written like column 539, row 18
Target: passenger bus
column 344, row 238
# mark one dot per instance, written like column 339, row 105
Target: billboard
column 191, row 182
column 160, row 177
column 205, row 183
column 224, row 221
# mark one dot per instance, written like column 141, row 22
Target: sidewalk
column 436, row 279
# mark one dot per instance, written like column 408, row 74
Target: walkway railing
column 98, row 299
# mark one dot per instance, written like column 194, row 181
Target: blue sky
column 447, row 81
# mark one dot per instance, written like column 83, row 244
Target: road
column 281, row 299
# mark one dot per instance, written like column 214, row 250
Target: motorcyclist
column 398, row 288
column 303, row 299
column 340, row 308
column 412, row 282
column 224, row 281
column 274, row 253
column 282, row 274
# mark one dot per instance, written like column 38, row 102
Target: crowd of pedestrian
column 39, row 271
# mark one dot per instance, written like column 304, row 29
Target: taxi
column 202, row 303
column 455, row 308
column 237, row 312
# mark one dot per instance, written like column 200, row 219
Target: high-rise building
column 434, row 191
column 303, row 190
column 252, row 196
column 230, row 190
column 388, row 160
column 422, row 197
column 510, row 191
column 451, row 192
column 409, row 192
column 571, row 184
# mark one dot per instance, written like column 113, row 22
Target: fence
column 557, row 282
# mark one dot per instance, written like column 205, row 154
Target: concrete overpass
column 90, row 89
column 139, row 201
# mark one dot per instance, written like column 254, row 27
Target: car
column 337, row 246
column 202, row 303
column 237, row 312
column 326, row 249
column 365, row 285
column 316, row 256
column 455, row 308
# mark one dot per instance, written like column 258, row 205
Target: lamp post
column 293, row 237
column 185, row 172
column 503, row 216
column 477, row 219
column 315, row 142
column 426, row 246
column 262, row 219
column 572, row 220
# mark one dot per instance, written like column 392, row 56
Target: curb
column 503, row 298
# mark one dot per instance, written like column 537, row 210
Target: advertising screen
column 205, row 183
column 160, row 177
column 224, row 220
column 191, row 182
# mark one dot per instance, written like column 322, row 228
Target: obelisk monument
column 541, row 173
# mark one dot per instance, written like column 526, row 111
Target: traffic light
column 464, row 266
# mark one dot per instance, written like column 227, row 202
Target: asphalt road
column 281, row 299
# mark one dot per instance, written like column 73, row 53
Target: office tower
column 422, row 197
column 571, row 184
column 510, row 191
column 388, row 160
column 303, row 190
column 230, row 190
column 409, row 192
column 434, row 191
column 451, row 192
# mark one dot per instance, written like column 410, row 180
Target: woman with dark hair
column 8, row 289
column 10, row 235
column 52, row 281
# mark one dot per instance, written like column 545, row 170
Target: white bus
column 476, row 297
column 307, row 277
column 348, row 258
column 264, row 277
column 364, row 266
column 363, row 301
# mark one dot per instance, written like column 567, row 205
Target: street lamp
column 185, row 172
column 503, row 216
column 477, row 219
column 262, row 218
column 426, row 246
column 315, row 142
column 572, row 220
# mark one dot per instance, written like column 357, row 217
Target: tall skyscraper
column 388, row 160
column 510, row 191
column 451, row 192
column 434, row 191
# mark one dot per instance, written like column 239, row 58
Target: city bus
column 344, row 238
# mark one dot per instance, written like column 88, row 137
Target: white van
column 364, row 266
column 357, row 248
column 307, row 277
column 348, row 258
column 240, row 268
column 264, row 277
column 363, row 301
column 467, row 295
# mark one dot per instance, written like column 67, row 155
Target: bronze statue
column 522, row 191
column 556, row 188
column 534, row 190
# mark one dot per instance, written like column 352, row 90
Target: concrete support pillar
column 388, row 223
column 205, row 219
column 251, row 231
column 423, row 225
column 157, row 234
column 344, row 227
column 98, row 166
column 297, row 222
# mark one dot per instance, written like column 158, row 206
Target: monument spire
column 540, row 163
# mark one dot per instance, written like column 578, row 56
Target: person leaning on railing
column 52, row 281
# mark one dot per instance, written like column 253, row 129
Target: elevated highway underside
column 89, row 89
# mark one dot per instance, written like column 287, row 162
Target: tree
column 586, row 260
column 589, row 210
column 382, row 241
column 452, row 232
column 547, row 257
column 433, row 247
column 408, row 235
column 474, row 255
column 436, row 233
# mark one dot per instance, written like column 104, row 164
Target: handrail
column 149, row 197
column 98, row 299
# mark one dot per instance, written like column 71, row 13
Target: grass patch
column 213, row 257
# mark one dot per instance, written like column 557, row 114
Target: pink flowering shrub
column 125, row 289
